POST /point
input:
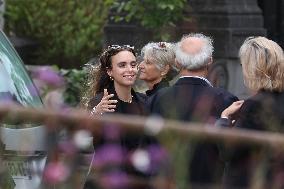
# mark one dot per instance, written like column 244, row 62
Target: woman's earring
column 111, row 78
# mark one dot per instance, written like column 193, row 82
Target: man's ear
column 165, row 70
column 210, row 61
column 177, row 65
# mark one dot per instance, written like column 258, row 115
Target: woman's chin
column 143, row 77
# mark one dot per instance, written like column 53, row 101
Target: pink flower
column 55, row 172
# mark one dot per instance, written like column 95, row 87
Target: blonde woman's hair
column 161, row 54
column 263, row 64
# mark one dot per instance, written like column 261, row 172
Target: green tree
column 67, row 31
column 155, row 15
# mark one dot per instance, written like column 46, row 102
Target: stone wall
column 229, row 22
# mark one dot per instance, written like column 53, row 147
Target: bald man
column 193, row 98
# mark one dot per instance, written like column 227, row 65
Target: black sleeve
column 223, row 122
column 250, row 116
column 95, row 101
column 222, row 100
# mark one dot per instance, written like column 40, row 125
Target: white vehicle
column 24, row 153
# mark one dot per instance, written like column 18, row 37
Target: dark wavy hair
column 98, row 79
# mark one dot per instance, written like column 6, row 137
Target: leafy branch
column 152, row 14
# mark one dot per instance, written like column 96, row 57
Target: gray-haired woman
column 157, row 67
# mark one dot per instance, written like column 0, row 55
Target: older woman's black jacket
column 162, row 84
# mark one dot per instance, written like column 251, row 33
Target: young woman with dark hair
column 111, row 83
column 110, row 91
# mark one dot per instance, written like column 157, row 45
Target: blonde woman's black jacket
column 265, row 112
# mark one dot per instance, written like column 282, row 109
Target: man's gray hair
column 197, row 60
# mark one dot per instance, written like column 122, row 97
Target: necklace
column 127, row 101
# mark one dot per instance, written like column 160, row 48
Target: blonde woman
column 262, row 63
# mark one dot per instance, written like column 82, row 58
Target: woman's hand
column 105, row 105
column 232, row 109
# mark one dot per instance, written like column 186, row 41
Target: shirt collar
column 203, row 78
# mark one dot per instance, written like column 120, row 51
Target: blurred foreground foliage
column 67, row 31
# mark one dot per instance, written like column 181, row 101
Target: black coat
column 263, row 111
column 152, row 93
column 162, row 84
column 193, row 99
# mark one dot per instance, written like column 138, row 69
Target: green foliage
column 67, row 31
column 74, row 79
column 71, row 31
column 156, row 15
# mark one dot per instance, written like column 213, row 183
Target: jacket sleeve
column 95, row 101
column 223, row 122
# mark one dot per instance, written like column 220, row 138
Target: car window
column 15, row 83
column 25, row 169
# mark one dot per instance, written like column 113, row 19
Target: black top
column 263, row 111
column 193, row 99
column 137, row 107
column 128, row 141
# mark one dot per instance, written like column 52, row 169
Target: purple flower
column 49, row 76
column 67, row 147
column 114, row 180
column 109, row 154
column 158, row 157
column 8, row 98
